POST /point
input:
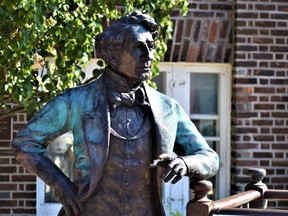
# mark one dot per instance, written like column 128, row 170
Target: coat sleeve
column 201, row 160
column 30, row 143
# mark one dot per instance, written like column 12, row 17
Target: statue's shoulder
column 160, row 97
column 84, row 90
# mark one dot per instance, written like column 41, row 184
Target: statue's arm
column 202, row 161
column 30, row 144
column 195, row 158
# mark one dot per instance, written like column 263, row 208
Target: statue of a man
column 120, row 125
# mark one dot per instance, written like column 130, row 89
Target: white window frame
column 178, row 87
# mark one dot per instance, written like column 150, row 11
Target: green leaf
column 63, row 31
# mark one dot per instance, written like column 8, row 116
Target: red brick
column 265, row 7
column 221, row 7
column 281, row 163
column 262, row 122
column 24, row 210
column 280, row 130
column 279, row 32
column 189, row 24
column 203, row 6
column 280, row 114
column 205, row 30
column 197, row 31
column 7, row 187
column 246, row 15
column 266, row 24
column 246, row 32
column 264, row 106
column 279, row 16
column 279, row 154
column 5, row 210
column 24, row 195
column 30, row 203
column 262, row 155
column 246, row 130
column 8, row 203
column 246, row 81
column 8, row 169
column 264, row 72
column 263, row 56
column 246, row 146
column 30, row 187
column 264, row 90
column 23, row 178
column 264, row 138
column 203, row 14
column 192, row 53
column 246, row 114
column 4, row 161
column 246, row 163
column 283, row 8
column 214, row 31
column 263, row 40
column 179, row 31
column 246, row 98
column 280, row 138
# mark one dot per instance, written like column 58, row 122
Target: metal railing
column 251, row 202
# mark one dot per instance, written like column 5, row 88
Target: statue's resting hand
column 67, row 194
column 176, row 169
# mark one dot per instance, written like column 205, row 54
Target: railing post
column 200, row 205
column 256, row 177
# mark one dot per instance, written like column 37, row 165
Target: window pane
column 206, row 127
column 160, row 81
column 211, row 194
column 203, row 93
column 60, row 151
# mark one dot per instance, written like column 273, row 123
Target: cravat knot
column 131, row 98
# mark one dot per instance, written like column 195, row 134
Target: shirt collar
column 117, row 82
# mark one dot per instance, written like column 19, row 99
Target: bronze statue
column 120, row 126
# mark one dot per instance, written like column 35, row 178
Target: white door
column 204, row 91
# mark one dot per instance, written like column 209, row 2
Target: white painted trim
column 44, row 209
column 181, row 81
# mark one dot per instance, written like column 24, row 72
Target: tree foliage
column 32, row 31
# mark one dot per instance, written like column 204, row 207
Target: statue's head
column 128, row 44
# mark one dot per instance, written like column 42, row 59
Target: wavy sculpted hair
column 110, row 41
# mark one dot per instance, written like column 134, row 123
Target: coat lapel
column 162, row 113
column 96, row 123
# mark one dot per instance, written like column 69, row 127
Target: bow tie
column 127, row 99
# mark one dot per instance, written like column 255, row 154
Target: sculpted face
column 134, row 62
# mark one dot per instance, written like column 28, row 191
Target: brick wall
column 17, row 186
column 260, row 92
column 260, row 101
column 204, row 35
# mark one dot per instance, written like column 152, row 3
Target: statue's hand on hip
column 67, row 194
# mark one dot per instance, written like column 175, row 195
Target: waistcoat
column 125, row 188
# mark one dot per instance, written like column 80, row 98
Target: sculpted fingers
column 170, row 174
column 71, row 207
column 176, row 169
